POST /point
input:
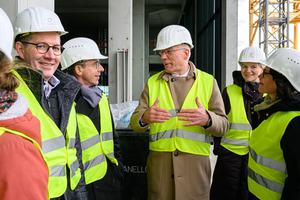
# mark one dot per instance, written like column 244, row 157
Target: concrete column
column 120, row 38
column 229, row 41
column 138, row 61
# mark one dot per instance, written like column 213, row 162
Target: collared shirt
column 51, row 84
column 183, row 75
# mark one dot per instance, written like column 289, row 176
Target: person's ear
column 186, row 54
column 20, row 49
column 78, row 70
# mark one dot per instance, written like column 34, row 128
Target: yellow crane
column 273, row 20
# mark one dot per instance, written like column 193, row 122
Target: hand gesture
column 155, row 114
column 195, row 116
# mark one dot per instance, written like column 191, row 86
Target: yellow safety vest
column 237, row 138
column 2, row 130
column 172, row 135
column 94, row 149
column 57, row 151
column 267, row 167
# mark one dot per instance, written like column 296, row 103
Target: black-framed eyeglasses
column 168, row 52
column 265, row 73
column 95, row 64
column 43, row 48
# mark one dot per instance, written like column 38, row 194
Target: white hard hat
column 6, row 35
column 287, row 62
column 79, row 49
column 252, row 54
column 37, row 19
column 173, row 35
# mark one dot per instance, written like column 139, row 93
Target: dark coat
column 58, row 107
column 109, row 187
column 230, row 174
column 290, row 145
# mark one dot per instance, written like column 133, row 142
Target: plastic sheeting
column 122, row 113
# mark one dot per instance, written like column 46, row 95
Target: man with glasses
column 183, row 107
column 101, row 153
column 50, row 94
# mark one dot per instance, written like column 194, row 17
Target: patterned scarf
column 7, row 99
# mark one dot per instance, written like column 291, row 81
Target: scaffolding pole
column 273, row 25
column 273, row 20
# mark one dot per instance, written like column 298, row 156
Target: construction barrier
column 135, row 150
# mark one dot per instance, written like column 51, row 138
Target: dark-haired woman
column 274, row 161
column 230, row 174
column 23, row 170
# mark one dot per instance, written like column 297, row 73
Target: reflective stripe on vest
column 72, row 160
column 171, row 134
column 264, row 182
column 267, row 167
column 93, row 158
column 54, row 144
column 2, row 130
column 237, row 137
column 182, row 134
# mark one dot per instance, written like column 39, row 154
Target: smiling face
column 267, row 84
column 89, row 73
column 250, row 71
column 47, row 62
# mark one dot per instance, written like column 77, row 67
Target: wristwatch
column 209, row 122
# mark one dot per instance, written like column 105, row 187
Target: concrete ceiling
column 94, row 13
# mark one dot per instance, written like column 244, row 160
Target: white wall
column 243, row 27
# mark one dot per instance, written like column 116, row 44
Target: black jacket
column 57, row 106
column 290, row 145
column 109, row 187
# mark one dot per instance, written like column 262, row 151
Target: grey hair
column 187, row 46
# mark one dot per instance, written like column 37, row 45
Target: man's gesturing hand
column 195, row 116
column 155, row 114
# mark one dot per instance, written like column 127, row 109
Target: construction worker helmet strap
column 173, row 35
column 78, row 49
column 287, row 62
column 6, row 35
column 37, row 19
column 252, row 54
